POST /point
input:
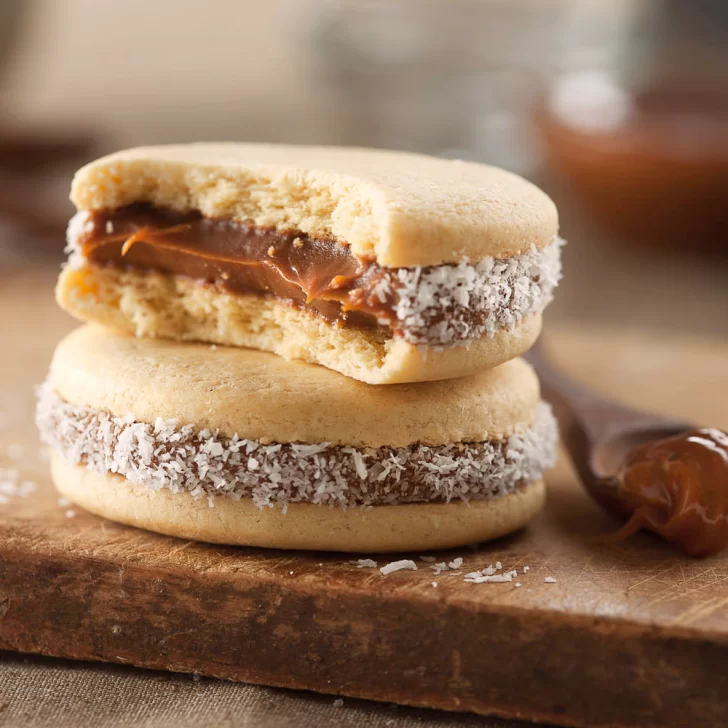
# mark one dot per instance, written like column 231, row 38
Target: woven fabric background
column 45, row 693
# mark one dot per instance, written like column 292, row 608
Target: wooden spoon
column 662, row 474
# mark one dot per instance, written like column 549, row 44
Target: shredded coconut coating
column 207, row 464
column 79, row 225
column 442, row 305
column 447, row 305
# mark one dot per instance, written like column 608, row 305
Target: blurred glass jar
column 638, row 124
column 455, row 78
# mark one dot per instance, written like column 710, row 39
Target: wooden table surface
column 629, row 634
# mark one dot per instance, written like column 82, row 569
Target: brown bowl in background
column 651, row 168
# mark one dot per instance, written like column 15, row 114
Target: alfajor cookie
column 384, row 266
column 239, row 446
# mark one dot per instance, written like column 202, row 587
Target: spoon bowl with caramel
column 656, row 473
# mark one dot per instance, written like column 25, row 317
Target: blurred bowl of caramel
column 636, row 122
column 651, row 166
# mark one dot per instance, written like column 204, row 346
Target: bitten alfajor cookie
column 384, row 266
column 238, row 446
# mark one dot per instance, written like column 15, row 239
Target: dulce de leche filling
column 320, row 275
column 678, row 488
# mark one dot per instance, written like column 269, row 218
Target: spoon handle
column 596, row 415
column 587, row 420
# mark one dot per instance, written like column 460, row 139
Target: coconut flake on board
column 365, row 563
column 13, row 486
column 402, row 565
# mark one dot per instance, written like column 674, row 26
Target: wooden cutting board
column 629, row 635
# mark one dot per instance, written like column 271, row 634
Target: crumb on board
column 439, row 567
column 338, row 703
column 401, row 565
column 70, row 514
column 492, row 579
column 489, row 575
column 550, row 580
column 12, row 486
column 365, row 563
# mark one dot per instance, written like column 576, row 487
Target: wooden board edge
column 444, row 654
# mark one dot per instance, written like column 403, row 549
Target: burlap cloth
column 37, row 692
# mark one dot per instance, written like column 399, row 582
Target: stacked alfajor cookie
column 397, row 290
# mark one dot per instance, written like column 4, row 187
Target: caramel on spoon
column 662, row 475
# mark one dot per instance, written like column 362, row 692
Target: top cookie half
column 391, row 251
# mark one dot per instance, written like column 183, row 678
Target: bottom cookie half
column 373, row 529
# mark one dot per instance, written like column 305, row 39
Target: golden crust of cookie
column 398, row 208
column 263, row 397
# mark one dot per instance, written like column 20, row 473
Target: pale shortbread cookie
column 262, row 397
column 397, row 208
column 152, row 305
column 381, row 529
column 160, row 434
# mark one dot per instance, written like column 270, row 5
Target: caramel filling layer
column 323, row 276
column 441, row 306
